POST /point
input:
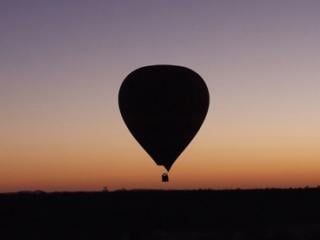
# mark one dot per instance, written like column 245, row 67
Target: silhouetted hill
column 146, row 214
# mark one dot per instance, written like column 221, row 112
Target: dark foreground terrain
column 238, row 214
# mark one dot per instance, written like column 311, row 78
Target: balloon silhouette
column 163, row 106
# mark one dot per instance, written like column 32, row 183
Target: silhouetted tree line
column 151, row 214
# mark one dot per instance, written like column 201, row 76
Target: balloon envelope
column 163, row 106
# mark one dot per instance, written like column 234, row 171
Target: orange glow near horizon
column 230, row 160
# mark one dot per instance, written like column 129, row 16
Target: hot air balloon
column 163, row 107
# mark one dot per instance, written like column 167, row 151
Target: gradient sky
column 62, row 63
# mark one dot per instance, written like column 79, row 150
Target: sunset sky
column 62, row 63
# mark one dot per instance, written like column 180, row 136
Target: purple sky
column 62, row 63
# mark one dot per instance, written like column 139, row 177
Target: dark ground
column 237, row 214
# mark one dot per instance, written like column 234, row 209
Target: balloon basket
column 165, row 177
